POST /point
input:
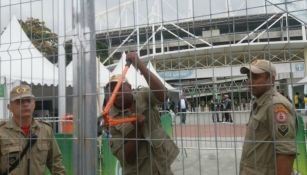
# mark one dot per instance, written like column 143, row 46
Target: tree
column 46, row 41
column 42, row 38
column 101, row 51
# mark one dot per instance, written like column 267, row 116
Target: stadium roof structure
column 207, row 43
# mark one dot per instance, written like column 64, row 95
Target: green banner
column 65, row 143
column 2, row 90
column 300, row 163
column 110, row 165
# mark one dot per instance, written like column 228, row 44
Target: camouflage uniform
column 157, row 151
column 44, row 152
column 271, row 130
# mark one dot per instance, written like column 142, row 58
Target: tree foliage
column 101, row 51
column 46, row 41
column 42, row 37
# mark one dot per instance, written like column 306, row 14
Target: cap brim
column 251, row 68
column 22, row 97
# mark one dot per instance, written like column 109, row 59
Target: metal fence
column 67, row 50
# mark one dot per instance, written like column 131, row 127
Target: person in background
column 182, row 108
column 296, row 100
column 142, row 147
column 165, row 105
column 244, row 103
column 22, row 133
column 192, row 105
column 214, row 110
column 172, row 106
column 227, row 108
column 269, row 146
column 301, row 102
column 202, row 105
column 305, row 103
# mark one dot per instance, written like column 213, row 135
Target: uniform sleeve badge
column 281, row 114
column 283, row 129
column 12, row 159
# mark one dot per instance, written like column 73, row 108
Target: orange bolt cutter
column 108, row 120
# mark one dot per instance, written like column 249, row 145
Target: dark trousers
column 215, row 116
column 183, row 115
column 228, row 117
column 297, row 106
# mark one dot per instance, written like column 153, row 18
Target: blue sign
column 173, row 75
column 299, row 67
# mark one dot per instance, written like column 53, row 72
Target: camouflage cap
column 259, row 66
column 21, row 91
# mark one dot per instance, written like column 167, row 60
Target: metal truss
column 226, row 59
column 264, row 33
column 173, row 46
column 222, row 87
column 297, row 8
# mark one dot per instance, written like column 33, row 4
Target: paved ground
column 212, row 158
column 210, row 130
column 209, row 148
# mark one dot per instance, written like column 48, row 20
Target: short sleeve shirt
column 156, row 152
column 271, row 130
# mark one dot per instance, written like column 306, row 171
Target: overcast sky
column 115, row 14
column 46, row 10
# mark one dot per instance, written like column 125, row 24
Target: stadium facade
column 199, row 46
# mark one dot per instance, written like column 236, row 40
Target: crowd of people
column 300, row 101
column 222, row 108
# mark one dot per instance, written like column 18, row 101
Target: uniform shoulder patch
column 281, row 113
column 283, row 129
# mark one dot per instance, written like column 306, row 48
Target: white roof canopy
column 302, row 81
column 20, row 60
column 153, row 70
column 133, row 76
column 104, row 74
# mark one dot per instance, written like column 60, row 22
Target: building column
column 290, row 91
column 305, row 69
column 214, row 87
column 305, row 61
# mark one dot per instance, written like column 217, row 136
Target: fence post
column 84, row 82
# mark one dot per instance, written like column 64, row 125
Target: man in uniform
column 22, row 133
column 269, row 146
column 142, row 147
